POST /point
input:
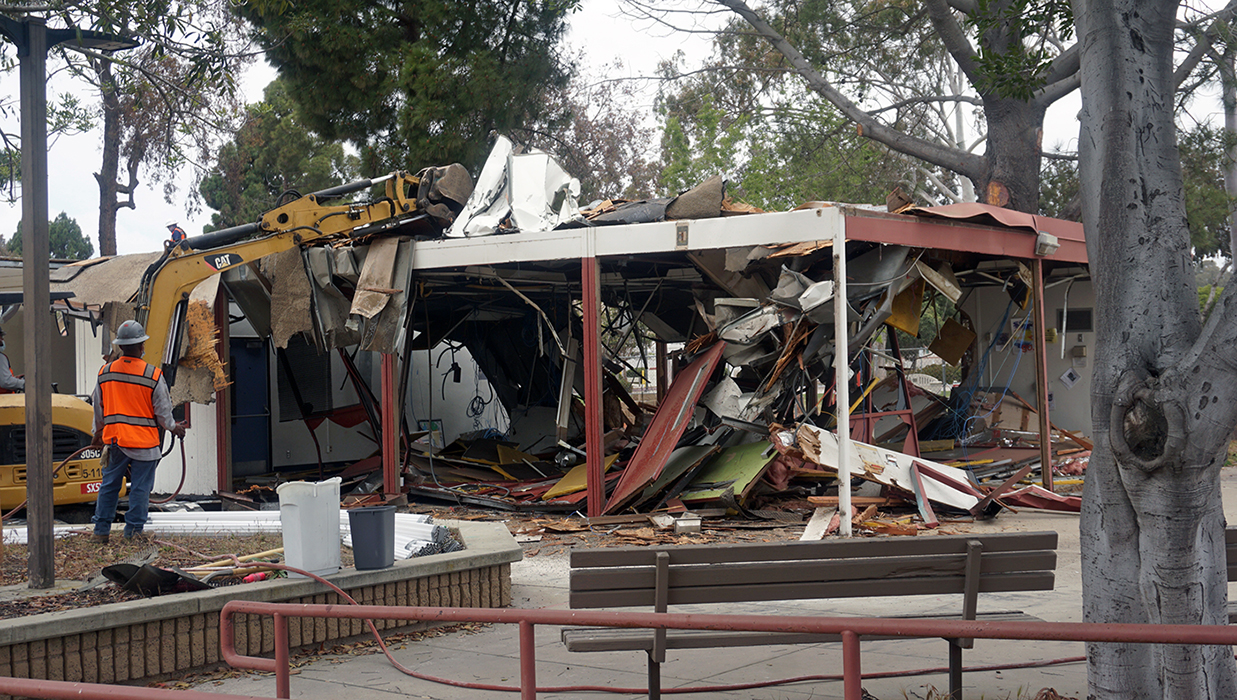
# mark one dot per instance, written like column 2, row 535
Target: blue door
column 251, row 407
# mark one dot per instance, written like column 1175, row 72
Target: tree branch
column 1219, row 22
column 954, row 38
column 963, row 163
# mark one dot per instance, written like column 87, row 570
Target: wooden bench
column 735, row 573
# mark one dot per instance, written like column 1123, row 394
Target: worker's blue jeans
column 141, row 481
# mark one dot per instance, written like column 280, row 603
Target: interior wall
column 1069, row 406
column 200, row 462
column 461, row 407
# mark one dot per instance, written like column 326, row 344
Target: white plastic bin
column 309, row 515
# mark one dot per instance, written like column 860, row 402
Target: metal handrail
column 851, row 629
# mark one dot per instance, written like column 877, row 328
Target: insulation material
column 200, row 348
column 704, row 201
column 290, row 296
column 99, row 282
column 374, row 289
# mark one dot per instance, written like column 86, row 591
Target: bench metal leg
column 955, row 671
column 654, row 679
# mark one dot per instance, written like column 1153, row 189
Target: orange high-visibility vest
column 127, row 388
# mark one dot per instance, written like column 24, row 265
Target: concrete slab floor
column 491, row 655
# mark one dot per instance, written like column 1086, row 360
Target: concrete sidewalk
column 491, row 655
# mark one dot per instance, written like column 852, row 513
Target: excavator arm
column 163, row 297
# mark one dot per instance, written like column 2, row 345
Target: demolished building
column 730, row 311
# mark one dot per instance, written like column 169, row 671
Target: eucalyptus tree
column 1164, row 391
column 157, row 104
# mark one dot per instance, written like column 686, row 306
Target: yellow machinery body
column 72, row 418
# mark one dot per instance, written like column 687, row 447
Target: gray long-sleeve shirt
column 161, row 401
column 7, row 381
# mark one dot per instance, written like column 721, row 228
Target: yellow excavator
column 78, row 480
column 161, row 301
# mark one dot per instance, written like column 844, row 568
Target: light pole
column 33, row 39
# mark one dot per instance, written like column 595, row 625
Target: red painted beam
column 590, row 283
column 965, row 236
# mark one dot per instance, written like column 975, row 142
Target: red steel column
column 590, row 283
column 852, row 672
column 390, row 441
column 528, row 661
column 1041, row 374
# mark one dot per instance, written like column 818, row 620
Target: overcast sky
column 597, row 29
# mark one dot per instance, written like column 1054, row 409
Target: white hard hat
column 170, row 223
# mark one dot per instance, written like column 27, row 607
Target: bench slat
column 609, row 578
column 586, row 639
column 995, row 583
column 824, row 549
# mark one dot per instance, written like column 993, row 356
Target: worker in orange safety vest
column 9, row 382
column 131, row 404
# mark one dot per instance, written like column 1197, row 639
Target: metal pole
column 590, row 283
column 1041, row 374
column 852, row 671
column 528, row 661
column 841, row 373
column 390, row 441
column 32, row 54
column 283, row 671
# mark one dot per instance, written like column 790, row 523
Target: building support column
column 390, row 435
column 1041, row 373
column 590, row 291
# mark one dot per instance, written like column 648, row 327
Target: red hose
column 55, row 471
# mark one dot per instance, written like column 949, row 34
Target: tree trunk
column 109, row 169
column 1012, row 153
column 1164, row 394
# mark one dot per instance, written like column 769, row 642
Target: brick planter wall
column 169, row 635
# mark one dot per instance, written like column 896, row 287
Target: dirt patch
column 77, row 558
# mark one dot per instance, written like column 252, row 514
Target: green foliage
column 952, row 373
column 272, row 153
column 416, row 84
column 64, row 238
column 1019, row 40
column 1058, row 189
column 1203, row 160
column 696, row 150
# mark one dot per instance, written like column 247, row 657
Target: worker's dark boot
column 99, row 539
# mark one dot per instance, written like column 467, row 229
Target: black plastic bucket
column 373, row 536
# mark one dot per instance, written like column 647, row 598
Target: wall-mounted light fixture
column 1046, row 243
